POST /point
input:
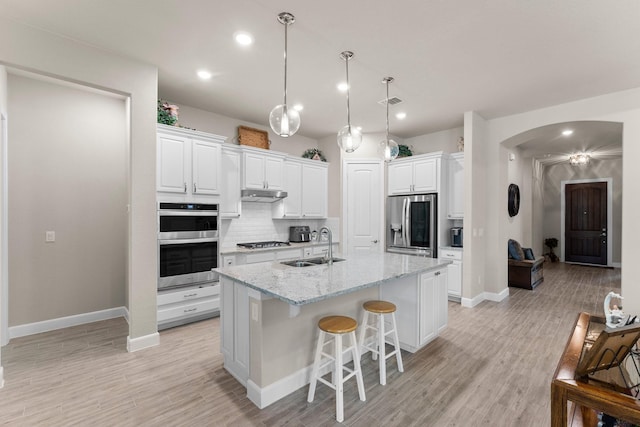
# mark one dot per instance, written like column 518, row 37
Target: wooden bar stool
column 336, row 327
column 379, row 309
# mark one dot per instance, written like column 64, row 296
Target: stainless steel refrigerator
column 411, row 224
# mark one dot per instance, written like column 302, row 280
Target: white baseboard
column 65, row 322
column 140, row 343
column 472, row 302
column 492, row 296
column 485, row 296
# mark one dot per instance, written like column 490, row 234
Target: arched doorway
column 539, row 161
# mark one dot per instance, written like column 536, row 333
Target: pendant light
column 349, row 139
column 285, row 121
column 388, row 148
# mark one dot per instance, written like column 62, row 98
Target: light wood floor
column 492, row 366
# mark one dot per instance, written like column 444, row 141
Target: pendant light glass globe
column 388, row 150
column 349, row 139
column 284, row 121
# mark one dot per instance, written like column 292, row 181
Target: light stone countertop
column 233, row 250
column 304, row 285
column 452, row 248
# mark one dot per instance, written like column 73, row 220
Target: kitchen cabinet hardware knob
column 374, row 241
column 437, row 273
column 195, row 294
column 185, row 187
column 195, row 189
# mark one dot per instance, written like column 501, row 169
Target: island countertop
column 305, row 285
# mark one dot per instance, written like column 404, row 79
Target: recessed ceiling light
column 298, row 107
column 567, row 132
column 204, row 74
column 342, row 87
column 401, row 116
column 243, row 38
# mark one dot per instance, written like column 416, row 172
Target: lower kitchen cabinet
column 184, row 305
column 454, row 272
column 421, row 308
column 234, row 325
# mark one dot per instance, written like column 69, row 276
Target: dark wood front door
column 586, row 223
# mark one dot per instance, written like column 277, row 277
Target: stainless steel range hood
column 264, row 196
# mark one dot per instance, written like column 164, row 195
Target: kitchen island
column 269, row 312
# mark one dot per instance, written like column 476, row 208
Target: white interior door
column 363, row 205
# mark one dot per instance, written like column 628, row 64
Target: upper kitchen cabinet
column 262, row 170
column 417, row 174
column 188, row 163
column 230, row 204
column 307, row 190
column 456, row 186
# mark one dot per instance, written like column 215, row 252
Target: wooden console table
column 575, row 399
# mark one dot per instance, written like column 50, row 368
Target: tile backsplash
column 256, row 225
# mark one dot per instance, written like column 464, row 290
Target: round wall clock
column 514, row 200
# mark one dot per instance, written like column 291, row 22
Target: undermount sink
column 309, row 262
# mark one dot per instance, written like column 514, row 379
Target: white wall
column 446, row 140
column 623, row 107
column 476, row 226
column 538, row 213
column 68, row 152
column 4, row 312
column 218, row 124
column 38, row 51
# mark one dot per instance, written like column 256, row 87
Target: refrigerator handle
column 407, row 234
column 434, row 227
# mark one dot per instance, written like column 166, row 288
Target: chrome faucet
column 330, row 252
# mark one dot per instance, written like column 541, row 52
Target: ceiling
column 495, row 57
column 601, row 140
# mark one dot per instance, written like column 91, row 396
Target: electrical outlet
column 50, row 236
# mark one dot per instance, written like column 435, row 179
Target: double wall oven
column 188, row 237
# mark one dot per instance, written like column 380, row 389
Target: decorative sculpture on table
column 614, row 315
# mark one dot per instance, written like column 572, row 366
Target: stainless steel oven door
column 185, row 262
column 185, row 224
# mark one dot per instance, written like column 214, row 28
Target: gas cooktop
column 259, row 245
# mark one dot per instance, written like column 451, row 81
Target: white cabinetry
column 315, row 190
column 230, row 204
column 290, row 206
column 187, row 304
column 188, row 163
column 421, row 307
column 454, row 272
column 456, row 186
column 262, row 170
column 234, row 321
column 307, row 187
column 417, row 174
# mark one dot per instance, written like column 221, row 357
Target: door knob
column 374, row 241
